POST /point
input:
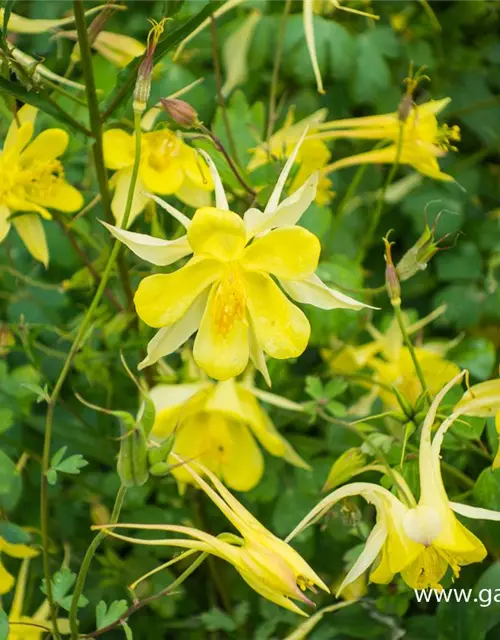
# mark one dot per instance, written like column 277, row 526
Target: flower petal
column 49, row 144
column 373, row 546
column 164, row 298
column 119, row 149
column 195, row 170
column 6, row 580
column 60, row 195
column 308, row 17
column 175, row 213
column 478, row 513
column 123, row 179
column 221, row 355
column 287, row 213
column 257, row 355
column 216, row 233
column 169, row 339
column 165, row 180
column 266, row 432
column 30, row 228
column 281, row 328
column 193, row 195
column 273, row 201
column 4, row 221
column 220, row 194
column 312, row 290
column 155, row 250
column 19, row 136
column 243, row 464
column 169, row 400
column 291, row 252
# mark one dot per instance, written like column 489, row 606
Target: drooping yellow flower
column 32, row 181
column 270, row 566
column 30, row 26
column 14, row 551
column 25, row 627
column 423, row 139
column 419, row 541
column 390, row 362
column 216, row 424
column 313, row 154
column 168, row 166
column 225, row 291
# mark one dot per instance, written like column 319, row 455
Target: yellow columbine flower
column 35, row 627
column 33, row 179
column 423, row 139
column 168, row 166
column 419, row 541
column 31, row 26
column 313, row 155
column 225, row 291
column 14, row 551
column 391, row 364
column 216, row 424
column 269, row 565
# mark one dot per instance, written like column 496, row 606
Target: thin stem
column 276, row 70
column 82, row 574
column 380, row 204
column 156, row 596
column 220, row 147
column 96, row 127
column 220, row 96
column 411, row 349
column 82, row 331
column 74, row 243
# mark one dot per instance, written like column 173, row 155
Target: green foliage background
column 363, row 66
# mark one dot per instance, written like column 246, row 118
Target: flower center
column 35, row 180
column 230, row 300
column 422, row 524
column 161, row 147
column 446, row 136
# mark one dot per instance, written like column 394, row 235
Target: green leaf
column 41, row 393
column 10, row 483
column 51, row 477
column 72, row 465
column 372, row 71
column 13, row 534
column 58, row 456
column 62, row 581
column 42, row 101
column 4, row 625
column 487, row 489
column 217, row 620
column 107, row 615
column 475, row 354
column 7, row 10
column 464, row 262
column 6, row 419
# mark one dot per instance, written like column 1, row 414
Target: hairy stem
column 411, row 349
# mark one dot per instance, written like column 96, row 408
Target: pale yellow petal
column 242, row 464
column 4, row 222
column 217, row 233
column 280, row 327
column 311, row 290
column 59, row 195
column 162, row 299
column 19, row 136
column 164, row 180
column 6, row 580
column 119, row 203
column 193, row 195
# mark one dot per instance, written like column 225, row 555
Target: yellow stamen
column 230, row 301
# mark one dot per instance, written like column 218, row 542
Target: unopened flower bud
column 417, row 257
column 181, row 112
column 132, row 463
column 145, row 71
column 405, row 107
column 7, row 340
column 391, row 277
column 99, row 513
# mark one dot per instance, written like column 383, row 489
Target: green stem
column 96, row 128
column 82, row 331
column 365, row 245
column 411, row 349
column 276, row 69
column 82, row 574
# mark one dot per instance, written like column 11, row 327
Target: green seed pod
column 132, row 463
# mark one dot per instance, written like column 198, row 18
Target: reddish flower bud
column 181, row 112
